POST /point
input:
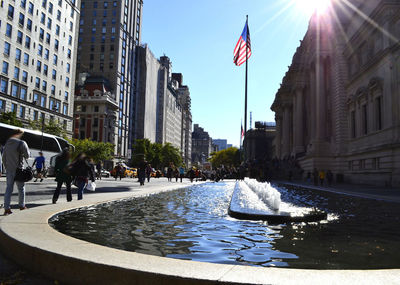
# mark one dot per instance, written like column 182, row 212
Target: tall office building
column 38, row 59
column 109, row 31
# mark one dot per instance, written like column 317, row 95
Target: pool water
column 194, row 224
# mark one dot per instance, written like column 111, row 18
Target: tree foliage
column 227, row 157
column 49, row 126
column 157, row 155
column 98, row 151
column 10, row 118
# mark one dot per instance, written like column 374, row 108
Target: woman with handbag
column 15, row 150
column 83, row 171
column 63, row 175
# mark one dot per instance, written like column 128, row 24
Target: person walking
column 82, row 171
column 181, row 172
column 40, row 162
column 98, row 169
column 170, row 171
column 15, row 150
column 63, row 175
column 142, row 171
column 315, row 176
column 322, row 177
column 149, row 170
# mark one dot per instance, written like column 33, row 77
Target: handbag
column 91, row 186
column 23, row 174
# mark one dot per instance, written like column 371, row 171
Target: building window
column 21, row 19
column 16, row 73
column 3, row 85
column 14, row 90
column 5, row 67
column 2, row 105
column 378, row 111
column 29, row 24
column 30, row 8
column 45, row 69
column 54, row 74
column 353, row 123
column 7, row 48
column 23, row 4
column 55, row 58
column 13, row 107
column 27, row 42
column 37, row 82
column 26, row 59
column 39, row 66
column 44, row 85
column 9, row 30
column 24, row 76
column 18, row 54
column 19, row 37
column 35, row 115
column 46, row 53
column 10, row 11
column 67, row 81
column 365, row 119
column 53, row 90
column 82, row 122
column 22, row 112
column 22, row 93
column 43, row 101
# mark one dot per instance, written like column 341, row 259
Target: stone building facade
column 201, row 145
column 338, row 107
column 38, row 59
column 109, row 32
column 163, row 103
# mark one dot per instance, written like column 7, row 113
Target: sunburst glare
column 308, row 7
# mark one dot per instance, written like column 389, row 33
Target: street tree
column 98, row 151
column 227, row 157
column 10, row 118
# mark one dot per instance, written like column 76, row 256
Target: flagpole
column 245, row 92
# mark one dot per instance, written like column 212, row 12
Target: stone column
column 320, row 100
column 278, row 140
column 298, row 122
column 286, row 131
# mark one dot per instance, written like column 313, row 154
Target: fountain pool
column 194, row 224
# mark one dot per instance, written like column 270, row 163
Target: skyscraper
column 38, row 59
column 109, row 31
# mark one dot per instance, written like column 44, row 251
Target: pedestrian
column 98, row 169
column 181, row 172
column 329, row 177
column 315, row 176
column 63, row 175
column 322, row 177
column 170, row 171
column 118, row 171
column 15, row 150
column 40, row 166
column 192, row 174
column 82, row 171
column 149, row 170
column 142, row 171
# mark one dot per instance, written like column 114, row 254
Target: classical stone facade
column 338, row 106
column 38, row 59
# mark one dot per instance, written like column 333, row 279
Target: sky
column 199, row 37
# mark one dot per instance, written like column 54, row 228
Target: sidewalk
column 363, row 191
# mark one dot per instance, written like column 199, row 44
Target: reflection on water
column 193, row 224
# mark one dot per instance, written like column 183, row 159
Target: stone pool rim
column 27, row 238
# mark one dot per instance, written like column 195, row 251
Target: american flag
column 239, row 54
column 241, row 131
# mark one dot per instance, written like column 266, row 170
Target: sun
column 308, row 7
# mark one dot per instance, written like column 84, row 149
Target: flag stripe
column 243, row 44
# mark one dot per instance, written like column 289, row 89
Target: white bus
column 50, row 145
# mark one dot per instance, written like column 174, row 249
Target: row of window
column 20, row 91
column 21, row 111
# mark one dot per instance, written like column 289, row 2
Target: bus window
column 34, row 141
column 63, row 143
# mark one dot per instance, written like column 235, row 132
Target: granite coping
column 27, row 238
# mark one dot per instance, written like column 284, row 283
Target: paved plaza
column 40, row 193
